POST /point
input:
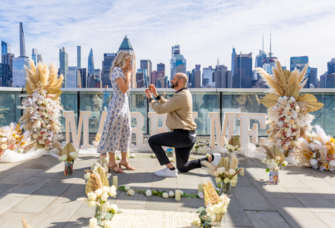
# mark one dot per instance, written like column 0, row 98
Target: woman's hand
column 128, row 73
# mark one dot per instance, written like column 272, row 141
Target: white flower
column 277, row 158
column 268, row 162
column 127, row 187
column 98, row 192
column 35, row 136
column 62, row 158
column 292, row 99
column 91, row 203
column 171, row 194
column 104, row 197
column 181, row 192
column 284, row 163
column 112, row 191
column 87, row 175
column 210, row 210
column 216, row 173
column 41, row 141
column 112, row 207
column 74, row 155
column 196, row 222
column 217, row 208
column 165, row 195
column 231, row 172
column 221, row 170
column 132, row 155
column 218, row 180
column 332, row 162
column 264, row 160
column 105, row 189
column 314, row 162
column 107, row 224
column 130, row 192
column 233, row 182
column 226, row 180
column 91, row 196
column 239, row 149
column 3, row 146
column 148, row 193
column 201, row 195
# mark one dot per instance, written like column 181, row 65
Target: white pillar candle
column 93, row 223
column 200, row 188
column 242, row 172
column 177, row 195
column 115, row 183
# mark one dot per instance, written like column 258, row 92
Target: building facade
column 22, row 42
column 90, row 66
column 198, row 76
column 78, row 57
column 207, row 75
column 7, row 78
column 63, row 64
column 106, row 68
column 313, row 77
column 5, row 49
column 19, row 77
column 260, row 59
column 177, row 62
column 242, row 77
column 147, row 65
column 34, row 56
column 83, row 77
column 331, row 66
column 72, row 77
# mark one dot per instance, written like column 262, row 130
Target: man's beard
column 174, row 85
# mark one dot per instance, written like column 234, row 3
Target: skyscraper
column 39, row 58
column 161, row 68
column 78, row 57
column 90, row 63
column 7, row 79
column 313, row 77
column 207, row 76
column 63, row 64
column 19, row 79
column 260, row 59
column 83, row 77
column 106, row 67
column 22, row 42
column 222, row 77
column 126, row 46
column 72, row 77
column 34, row 56
column 140, row 78
column 146, row 64
column 331, row 66
column 178, row 62
column 5, row 48
column 197, row 76
column 242, row 77
column 233, row 54
column 299, row 62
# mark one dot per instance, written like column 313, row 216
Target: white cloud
column 206, row 30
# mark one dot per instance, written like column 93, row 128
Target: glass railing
column 204, row 101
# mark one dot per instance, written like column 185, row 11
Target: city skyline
column 153, row 36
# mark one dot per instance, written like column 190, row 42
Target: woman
column 116, row 134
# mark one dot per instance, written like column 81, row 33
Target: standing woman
column 116, row 134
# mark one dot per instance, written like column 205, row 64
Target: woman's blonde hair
column 120, row 61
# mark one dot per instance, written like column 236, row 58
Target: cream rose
column 98, row 192
column 165, row 195
column 130, row 192
column 92, row 196
column 221, row 170
column 91, row 204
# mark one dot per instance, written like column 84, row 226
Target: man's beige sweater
column 179, row 110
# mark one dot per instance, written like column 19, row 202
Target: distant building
column 2, row 69
column 323, row 78
column 94, row 81
column 158, row 79
column 140, row 78
column 63, row 64
column 78, row 57
column 242, row 77
column 22, row 42
column 294, row 61
column 72, row 77
column 5, row 49
column 7, row 78
column 222, row 77
column 207, row 77
column 147, row 65
column 161, row 68
column 260, row 59
column 39, row 58
column 126, row 46
column 106, row 67
column 197, row 76
column 83, row 75
column 233, row 60
column 190, row 79
column 331, row 66
column 19, row 77
column 177, row 62
column 330, row 82
column 90, row 65
column 313, row 77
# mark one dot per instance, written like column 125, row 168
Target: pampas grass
column 233, row 162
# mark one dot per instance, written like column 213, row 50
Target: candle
column 177, row 195
column 200, row 188
column 242, row 172
column 93, row 223
column 115, row 182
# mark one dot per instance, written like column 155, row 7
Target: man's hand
column 147, row 92
column 153, row 90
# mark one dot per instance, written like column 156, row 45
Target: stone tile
column 11, row 168
column 160, row 182
column 251, row 199
column 296, row 214
column 322, row 187
column 286, row 181
column 235, row 215
column 272, row 191
column 19, row 176
column 328, row 180
column 328, row 218
column 39, row 200
column 29, row 186
column 312, row 200
column 75, row 192
column 267, row 219
column 53, row 171
column 63, row 181
column 244, row 181
column 256, row 174
column 85, row 211
column 56, row 214
column 7, row 202
column 77, row 222
column 14, row 220
column 131, row 206
column 140, row 178
column 5, row 187
column 3, row 176
column 168, row 206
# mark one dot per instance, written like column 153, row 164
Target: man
column 179, row 120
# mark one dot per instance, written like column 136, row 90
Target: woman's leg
column 124, row 161
column 112, row 163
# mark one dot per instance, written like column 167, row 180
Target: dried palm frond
column 233, row 162
column 44, row 76
column 270, row 82
column 93, row 183
column 301, row 75
column 279, row 76
column 209, row 167
column 53, row 76
column 210, row 194
column 268, row 152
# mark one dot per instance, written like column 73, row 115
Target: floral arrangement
column 233, row 144
column 216, row 206
column 98, row 191
column 202, row 147
column 225, row 172
column 41, row 107
column 275, row 158
column 317, row 150
column 69, row 154
column 204, row 220
column 288, row 111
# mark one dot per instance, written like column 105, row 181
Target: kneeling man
column 179, row 120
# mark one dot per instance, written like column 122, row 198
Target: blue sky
column 205, row 30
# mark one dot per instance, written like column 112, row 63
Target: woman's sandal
column 113, row 168
column 127, row 165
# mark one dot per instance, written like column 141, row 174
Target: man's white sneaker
column 217, row 158
column 167, row 173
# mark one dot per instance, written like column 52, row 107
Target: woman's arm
column 124, row 84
